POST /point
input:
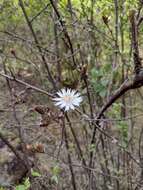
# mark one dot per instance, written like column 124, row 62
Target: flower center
column 67, row 99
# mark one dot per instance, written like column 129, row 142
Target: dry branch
column 26, row 84
column 127, row 85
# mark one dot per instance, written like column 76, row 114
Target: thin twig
column 26, row 84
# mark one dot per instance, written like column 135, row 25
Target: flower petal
column 77, row 101
column 59, row 94
column 58, row 103
column 72, row 107
column 56, row 99
column 63, row 91
column 67, row 108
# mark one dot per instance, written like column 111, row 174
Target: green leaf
column 55, row 179
column 92, row 148
column 20, row 187
column 123, row 128
column 1, row 188
column 103, row 93
column 24, row 186
column 27, row 183
column 35, row 174
column 56, row 170
column 96, row 73
column 104, row 82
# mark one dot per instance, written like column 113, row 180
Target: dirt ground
column 41, row 139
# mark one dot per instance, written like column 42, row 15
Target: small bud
column 13, row 52
column 105, row 19
column 39, row 148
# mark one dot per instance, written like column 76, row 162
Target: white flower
column 67, row 99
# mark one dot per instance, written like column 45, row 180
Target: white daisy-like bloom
column 67, row 99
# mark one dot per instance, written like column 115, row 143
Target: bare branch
column 26, row 84
column 134, row 31
column 38, row 45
